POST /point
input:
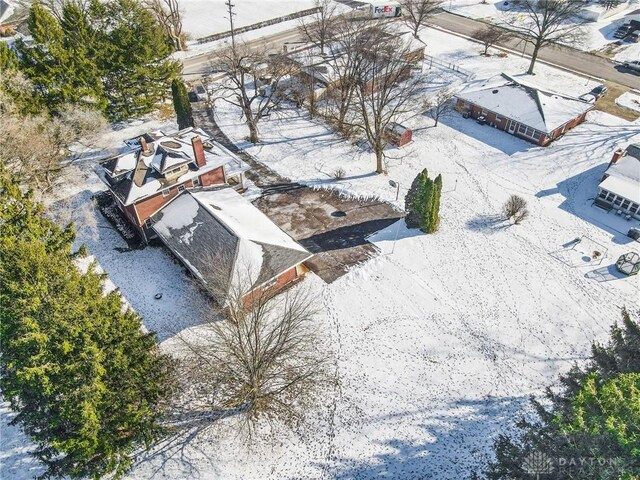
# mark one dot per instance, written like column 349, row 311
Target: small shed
column 629, row 263
column 398, row 135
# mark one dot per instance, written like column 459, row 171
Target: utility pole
column 231, row 15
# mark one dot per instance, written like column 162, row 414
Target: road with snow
column 561, row 56
column 564, row 57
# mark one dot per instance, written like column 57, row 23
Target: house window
column 625, row 204
column 634, row 208
column 181, row 188
column 498, row 118
column 617, row 201
column 196, row 181
column 603, row 194
column 166, row 192
column 148, row 222
column 610, row 197
column 529, row 132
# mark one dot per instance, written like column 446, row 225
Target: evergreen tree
column 61, row 62
column 8, row 58
column 422, row 202
column 412, row 218
column 181, row 104
column 87, row 384
column 136, row 71
column 595, row 416
column 434, row 206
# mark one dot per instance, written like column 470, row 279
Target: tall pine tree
column 87, row 384
column 181, row 104
column 422, row 202
column 61, row 61
column 593, row 419
column 136, row 71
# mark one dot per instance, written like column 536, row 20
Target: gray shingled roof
column 214, row 232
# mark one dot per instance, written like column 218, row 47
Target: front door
column 512, row 126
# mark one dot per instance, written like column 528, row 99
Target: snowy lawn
column 629, row 100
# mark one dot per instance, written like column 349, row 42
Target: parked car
column 599, row 91
column 622, row 31
column 634, row 233
column 633, row 36
column 633, row 65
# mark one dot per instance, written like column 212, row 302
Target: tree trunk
column 534, row 57
column 253, row 132
column 380, row 161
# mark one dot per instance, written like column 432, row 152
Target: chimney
column 198, row 151
column 145, row 148
column 617, row 155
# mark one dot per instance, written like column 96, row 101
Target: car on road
column 633, row 65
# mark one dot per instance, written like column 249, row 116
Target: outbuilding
column 398, row 135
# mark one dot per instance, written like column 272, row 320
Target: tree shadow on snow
column 579, row 193
column 487, row 223
column 460, row 443
column 486, row 134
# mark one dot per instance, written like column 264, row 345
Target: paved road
column 562, row 56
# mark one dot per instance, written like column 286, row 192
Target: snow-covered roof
column 623, row 176
column 525, row 102
column 199, row 226
column 135, row 174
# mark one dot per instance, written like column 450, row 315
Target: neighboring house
column 156, row 167
column 324, row 70
column 619, row 188
column 521, row 109
column 227, row 243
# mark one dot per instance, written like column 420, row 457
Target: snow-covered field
column 439, row 340
column 629, row 100
column 206, row 17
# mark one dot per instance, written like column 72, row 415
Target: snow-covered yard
column 599, row 34
column 440, row 339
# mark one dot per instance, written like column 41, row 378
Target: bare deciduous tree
column 32, row 146
column 545, row 22
column 319, row 29
column 263, row 360
column 415, row 13
column 515, row 208
column 345, row 61
column 385, row 89
column 252, row 83
column 490, row 35
column 440, row 104
column 168, row 15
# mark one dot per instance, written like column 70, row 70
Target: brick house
column 513, row 105
column 228, row 244
column 619, row 188
column 156, row 167
column 323, row 70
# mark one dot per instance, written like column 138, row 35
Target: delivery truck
column 384, row 9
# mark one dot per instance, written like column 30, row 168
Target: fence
column 431, row 61
column 255, row 26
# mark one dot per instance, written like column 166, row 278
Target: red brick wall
column 151, row 205
column 214, row 177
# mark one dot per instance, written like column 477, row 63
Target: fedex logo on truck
column 385, row 9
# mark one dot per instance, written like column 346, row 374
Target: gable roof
column 134, row 174
column 521, row 100
column 221, row 225
column 623, row 176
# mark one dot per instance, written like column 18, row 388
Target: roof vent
column 495, row 91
